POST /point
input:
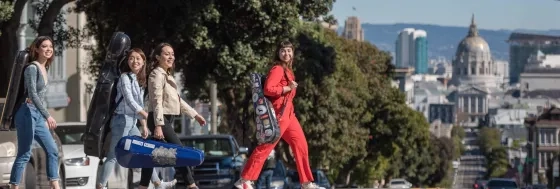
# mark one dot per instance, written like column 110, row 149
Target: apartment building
column 543, row 137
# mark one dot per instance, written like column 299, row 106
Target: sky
column 489, row 14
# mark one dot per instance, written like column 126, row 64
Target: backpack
column 17, row 93
column 268, row 128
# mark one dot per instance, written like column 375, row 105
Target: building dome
column 472, row 43
column 472, row 63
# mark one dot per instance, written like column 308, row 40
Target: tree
column 457, row 135
column 10, row 22
column 495, row 153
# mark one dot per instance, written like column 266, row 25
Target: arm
column 125, row 86
column 272, row 86
column 187, row 109
column 155, row 85
column 30, row 79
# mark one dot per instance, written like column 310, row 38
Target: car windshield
column 211, row 146
column 502, row 183
column 70, row 134
column 397, row 182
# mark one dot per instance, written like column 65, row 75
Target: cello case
column 16, row 91
column 136, row 152
column 103, row 101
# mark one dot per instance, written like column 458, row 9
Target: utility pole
column 214, row 107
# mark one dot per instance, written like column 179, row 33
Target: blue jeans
column 121, row 125
column 266, row 178
column 30, row 124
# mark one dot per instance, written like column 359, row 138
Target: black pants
column 170, row 137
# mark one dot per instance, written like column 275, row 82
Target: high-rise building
column 412, row 50
column 421, row 51
column 353, row 29
column 523, row 45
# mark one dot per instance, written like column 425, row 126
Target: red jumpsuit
column 290, row 129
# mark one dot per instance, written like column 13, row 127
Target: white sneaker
column 243, row 184
column 311, row 185
column 167, row 185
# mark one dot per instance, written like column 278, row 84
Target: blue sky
column 489, row 14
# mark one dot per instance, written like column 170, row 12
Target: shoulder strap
column 286, row 95
column 25, row 92
column 121, row 98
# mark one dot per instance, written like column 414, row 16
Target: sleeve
column 155, row 85
column 272, row 86
column 125, row 84
column 30, row 80
column 187, row 109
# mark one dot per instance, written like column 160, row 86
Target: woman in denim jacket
column 32, row 119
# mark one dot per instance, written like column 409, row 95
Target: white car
column 81, row 170
column 399, row 183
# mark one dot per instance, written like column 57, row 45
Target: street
column 472, row 165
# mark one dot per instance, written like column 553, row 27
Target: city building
column 540, row 76
column 522, row 46
column 473, row 63
column 412, row 50
column 353, row 29
column 544, row 131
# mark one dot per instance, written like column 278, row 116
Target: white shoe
column 243, row 184
column 311, row 185
column 167, row 185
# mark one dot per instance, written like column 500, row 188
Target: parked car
column 501, row 183
column 280, row 178
column 223, row 160
column 480, row 184
column 81, row 170
column 319, row 176
column 35, row 174
column 399, row 183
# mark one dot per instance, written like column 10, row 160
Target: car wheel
column 29, row 177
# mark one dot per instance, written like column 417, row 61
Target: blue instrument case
column 136, row 152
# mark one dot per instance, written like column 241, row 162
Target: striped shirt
column 132, row 94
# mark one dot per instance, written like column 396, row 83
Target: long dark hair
column 277, row 60
column 157, row 52
column 36, row 45
column 142, row 73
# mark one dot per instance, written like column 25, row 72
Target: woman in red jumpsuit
column 276, row 88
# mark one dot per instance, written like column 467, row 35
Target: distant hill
column 443, row 40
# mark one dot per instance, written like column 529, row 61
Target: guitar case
column 136, row 152
column 103, row 102
column 268, row 129
column 16, row 91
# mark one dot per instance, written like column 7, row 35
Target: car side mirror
column 243, row 150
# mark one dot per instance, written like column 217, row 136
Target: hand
column 144, row 114
column 158, row 134
column 293, row 85
column 200, row 120
column 51, row 123
column 145, row 132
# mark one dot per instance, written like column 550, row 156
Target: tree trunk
column 46, row 26
column 9, row 46
column 344, row 173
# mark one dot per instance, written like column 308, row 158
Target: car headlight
column 83, row 161
column 8, row 149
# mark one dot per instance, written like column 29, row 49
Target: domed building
column 473, row 74
column 472, row 63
